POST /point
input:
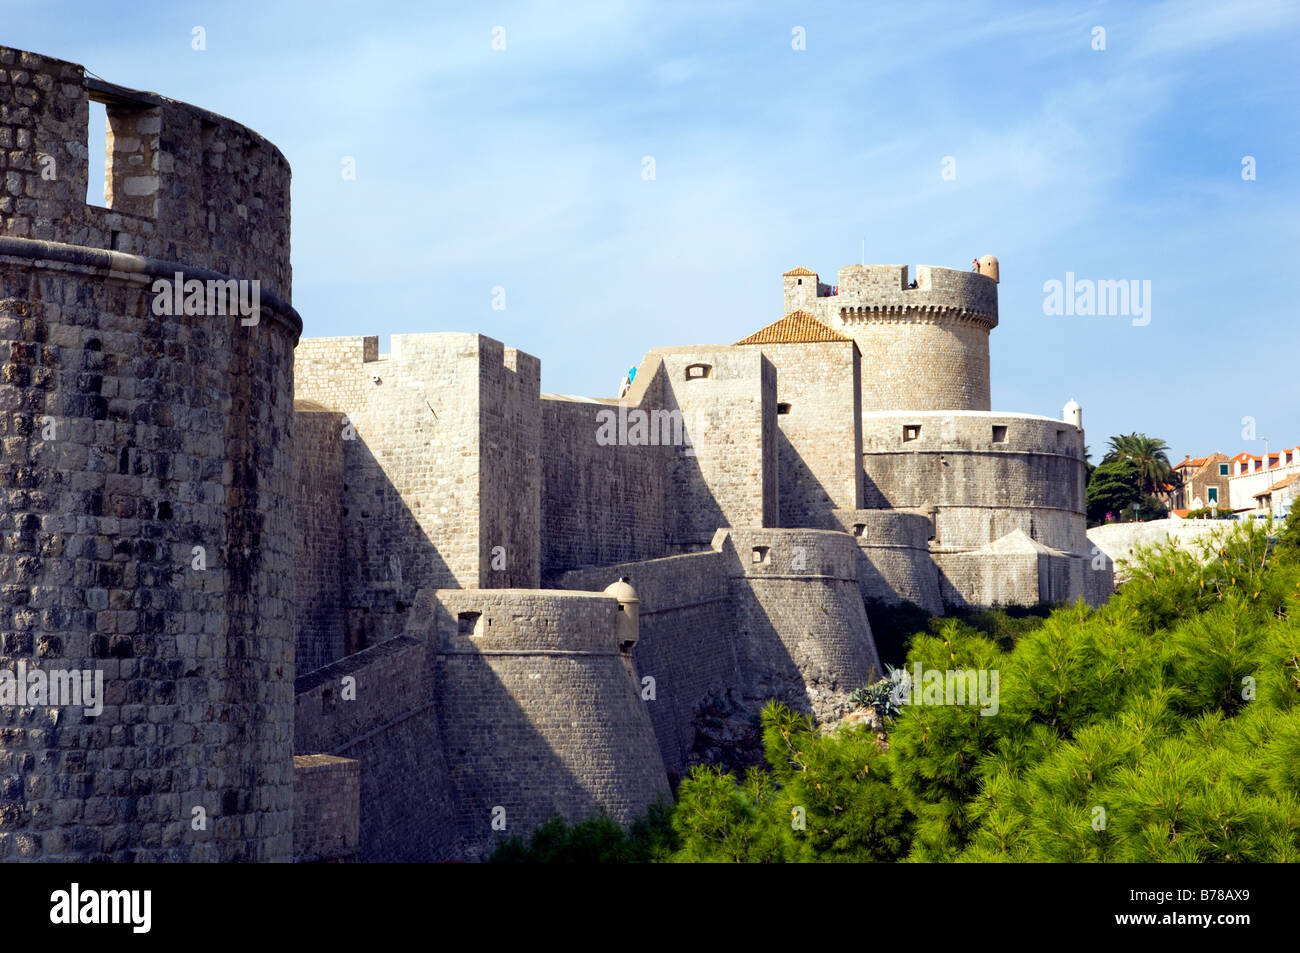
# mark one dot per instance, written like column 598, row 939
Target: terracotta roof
column 801, row 270
column 1275, row 457
column 797, row 327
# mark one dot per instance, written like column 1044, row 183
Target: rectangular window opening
column 911, row 432
column 470, row 623
column 97, row 153
column 698, row 371
column 999, row 434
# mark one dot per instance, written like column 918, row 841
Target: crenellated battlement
column 881, row 293
column 942, row 324
column 182, row 184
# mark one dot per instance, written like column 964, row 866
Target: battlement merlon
column 182, row 184
column 881, row 291
column 350, row 354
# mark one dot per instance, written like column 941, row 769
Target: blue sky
column 522, row 168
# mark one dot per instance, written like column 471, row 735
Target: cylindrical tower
column 923, row 347
column 145, row 411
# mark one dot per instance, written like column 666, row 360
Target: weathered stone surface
column 131, row 438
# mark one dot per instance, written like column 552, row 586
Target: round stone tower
column 924, row 347
column 146, row 602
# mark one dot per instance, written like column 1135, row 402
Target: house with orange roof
column 1255, row 477
column 1200, row 482
column 1278, row 497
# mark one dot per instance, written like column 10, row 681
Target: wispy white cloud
column 523, row 168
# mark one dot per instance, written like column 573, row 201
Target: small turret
column 989, row 268
column 629, row 608
column 1073, row 414
column 800, row 289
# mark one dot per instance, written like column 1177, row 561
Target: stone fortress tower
column 147, row 460
column 991, row 484
column 397, row 606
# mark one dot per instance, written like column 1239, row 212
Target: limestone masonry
column 351, row 605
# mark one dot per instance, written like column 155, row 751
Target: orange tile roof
column 1273, row 463
column 797, row 327
column 801, row 270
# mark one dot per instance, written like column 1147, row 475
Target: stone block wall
column 819, row 446
column 390, row 729
column 320, row 563
column 147, row 525
column 687, row 642
column 509, row 467
column 603, row 501
column 186, row 184
column 326, row 809
column 954, row 355
column 539, row 711
column 980, row 580
column 729, row 477
column 987, row 474
column 894, row 561
column 442, row 469
column 1116, row 543
column 942, row 326
column 802, row 634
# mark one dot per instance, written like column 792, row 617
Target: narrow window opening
column 97, row 153
column 760, row 555
column 999, row 434
column 911, row 432
column 783, row 408
column 470, row 623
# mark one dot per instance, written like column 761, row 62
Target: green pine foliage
column 1288, row 539
column 1163, row 727
column 835, row 789
column 596, row 840
column 718, row 820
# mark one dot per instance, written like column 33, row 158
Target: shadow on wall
column 451, row 763
column 376, row 706
column 361, row 554
column 503, row 766
column 810, row 506
column 873, row 497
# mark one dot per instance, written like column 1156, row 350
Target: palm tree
column 1149, row 454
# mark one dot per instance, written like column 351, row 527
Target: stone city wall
column 147, row 526
column 687, row 639
column 894, row 561
column 539, row 710
column 326, row 809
